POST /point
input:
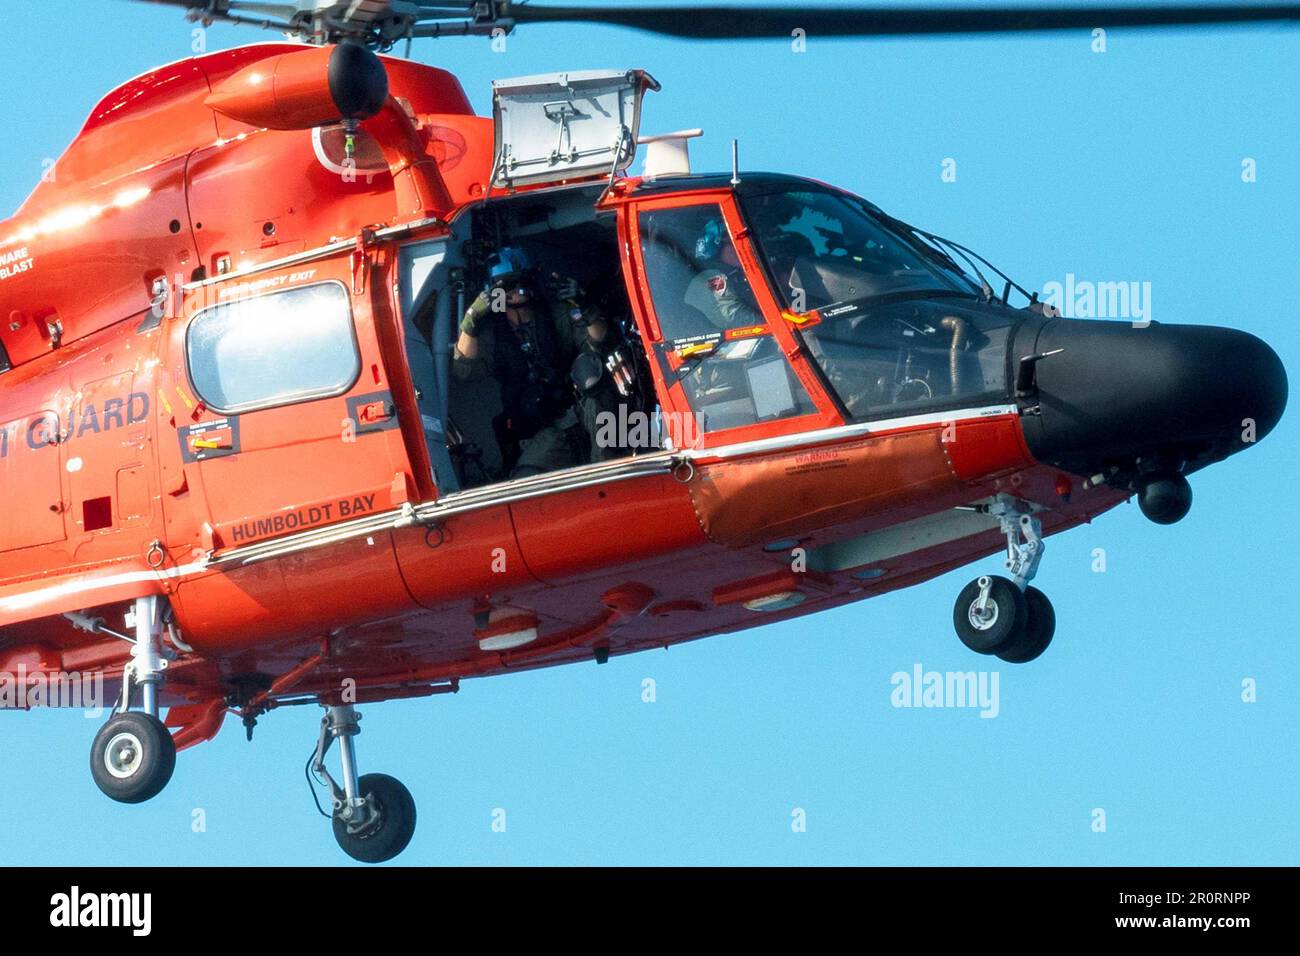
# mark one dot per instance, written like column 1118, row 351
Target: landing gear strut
column 1005, row 616
column 373, row 815
column 134, row 755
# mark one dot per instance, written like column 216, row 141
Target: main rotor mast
column 376, row 24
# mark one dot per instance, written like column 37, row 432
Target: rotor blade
column 717, row 22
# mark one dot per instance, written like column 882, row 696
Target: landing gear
column 1005, row 616
column 373, row 816
column 133, row 755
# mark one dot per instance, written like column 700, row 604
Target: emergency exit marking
column 372, row 413
column 216, row 439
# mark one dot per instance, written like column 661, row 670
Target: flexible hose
column 960, row 329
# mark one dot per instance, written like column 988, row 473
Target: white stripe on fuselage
column 68, row 588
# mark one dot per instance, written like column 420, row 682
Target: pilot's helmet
column 711, row 240
column 506, row 266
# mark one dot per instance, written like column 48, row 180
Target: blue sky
column 1119, row 166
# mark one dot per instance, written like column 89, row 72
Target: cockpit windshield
column 823, row 249
column 894, row 324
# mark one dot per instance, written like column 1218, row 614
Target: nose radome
column 1118, row 398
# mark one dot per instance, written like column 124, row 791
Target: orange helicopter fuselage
column 302, row 544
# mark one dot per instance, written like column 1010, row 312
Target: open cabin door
column 430, row 295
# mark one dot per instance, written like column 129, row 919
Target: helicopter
column 243, row 469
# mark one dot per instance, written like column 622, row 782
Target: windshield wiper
column 943, row 251
column 899, row 295
column 967, row 254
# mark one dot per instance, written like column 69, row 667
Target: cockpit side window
column 731, row 368
column 5, row 364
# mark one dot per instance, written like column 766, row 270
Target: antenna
column 735, row 162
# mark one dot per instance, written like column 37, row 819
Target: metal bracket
column 148, row 660
column 1024, row 534
column 561, row 113
column 982, row 602
column 341, row 723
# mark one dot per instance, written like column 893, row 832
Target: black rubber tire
column 1006, row 627
column 396, row 825
column 143, row 776
column 1039, row 630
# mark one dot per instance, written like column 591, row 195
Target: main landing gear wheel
column 133, row 757
column 990, row 614
column 390, row 824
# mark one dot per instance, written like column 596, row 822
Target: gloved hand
column 472, row 324
column 564, row 287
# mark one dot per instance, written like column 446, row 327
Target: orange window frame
column 673, row 396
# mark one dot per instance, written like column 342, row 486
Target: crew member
column 542, row 351
column 720, row 290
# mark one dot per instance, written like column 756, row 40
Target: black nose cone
column 1125, row 400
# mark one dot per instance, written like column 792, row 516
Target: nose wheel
column 1040, row 628
column 1006, row 617
column 990, row 614
column 373, row 816
column 993, row 616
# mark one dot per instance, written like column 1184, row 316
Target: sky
column 781, row 745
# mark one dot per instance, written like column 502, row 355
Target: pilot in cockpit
column 719, row 290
